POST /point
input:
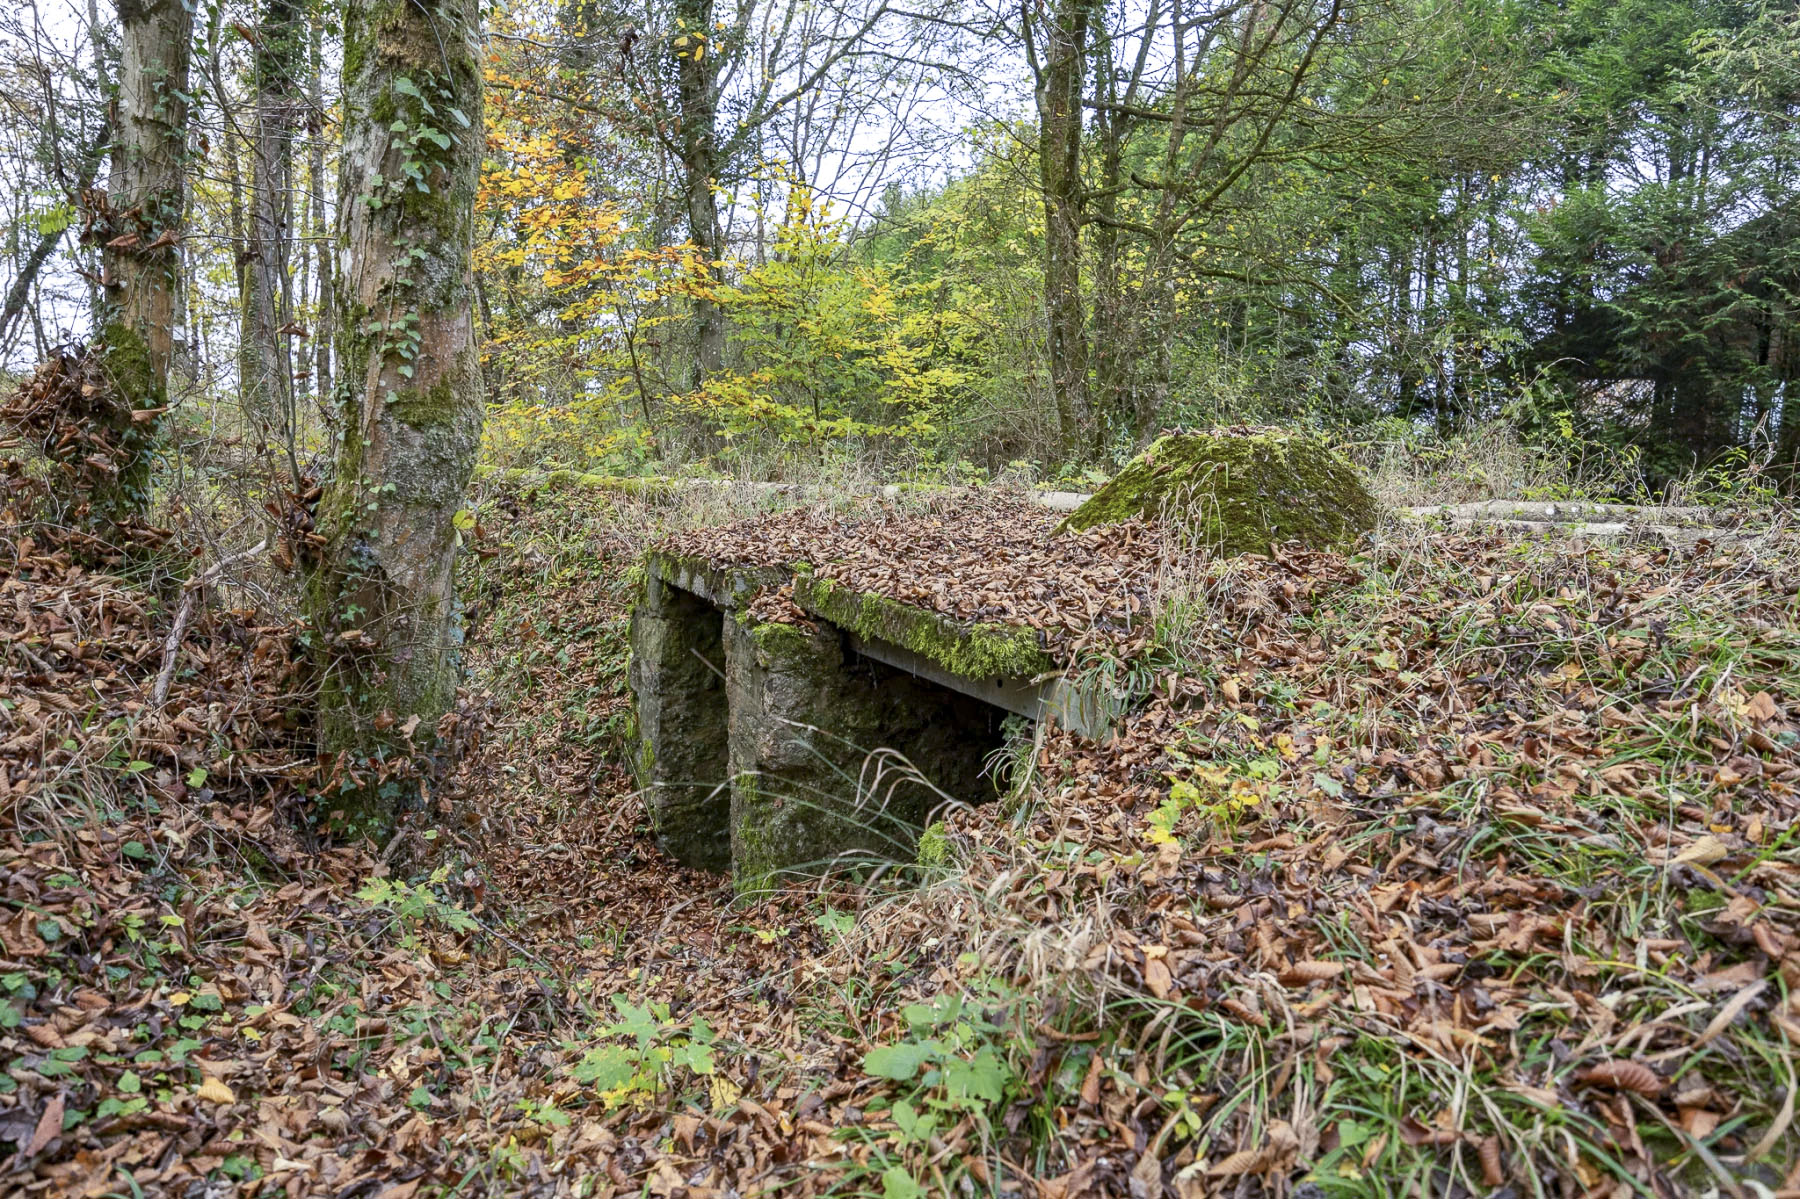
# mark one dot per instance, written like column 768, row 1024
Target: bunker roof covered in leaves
column 978, row 555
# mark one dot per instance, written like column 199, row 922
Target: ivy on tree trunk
column 141, row 261
column 381, row 598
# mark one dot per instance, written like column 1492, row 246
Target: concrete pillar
column 682, row 762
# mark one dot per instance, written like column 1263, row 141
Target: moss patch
column 426, row 408
column 1243, row 490
column 646, row 486
column 728, row 586
column 995, row 651
column 773, row 636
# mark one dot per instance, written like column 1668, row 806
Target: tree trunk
column 1112, row 356
column 1060, row 80
column 381, row 598
column 324, row 318
column 697, row 87
column 140, row 264
column 265, row 366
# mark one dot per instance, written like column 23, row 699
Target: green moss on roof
column 999, row 651
column 1244, row 490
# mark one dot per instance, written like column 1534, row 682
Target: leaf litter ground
column 1460, row 866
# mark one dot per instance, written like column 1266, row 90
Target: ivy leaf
column 899, row 1062
column 606, row 1068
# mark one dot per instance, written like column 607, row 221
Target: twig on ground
column 189, row 592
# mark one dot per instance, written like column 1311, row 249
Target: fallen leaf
column 49, row 1126
column 214, row 1091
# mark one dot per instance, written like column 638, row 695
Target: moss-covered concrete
column 729, row 585
column 1242, row 490
column 991, row 651
column 679, row 699
column 815, row 730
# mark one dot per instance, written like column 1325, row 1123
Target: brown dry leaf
column 214, row 1091
column 1622, row 1075
column 684, row 1128
column 1146, row 1177
column 1157, row 978
column 49, row 1126
column 1066, row 1186
column 1705, row 851
column 1301, row 974
column 1244, row 1161
column 1492, row 1172
column 1090, row 1086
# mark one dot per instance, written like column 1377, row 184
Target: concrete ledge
column 799, row 493
column 1035, row 689
column 1574, row 512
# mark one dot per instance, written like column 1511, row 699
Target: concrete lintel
column 1020, row 696
column 1083, row 709
column 721, row 586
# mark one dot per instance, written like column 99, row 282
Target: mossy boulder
column 1242, row 489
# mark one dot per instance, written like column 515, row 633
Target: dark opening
column 953, row 740
column 686, row 727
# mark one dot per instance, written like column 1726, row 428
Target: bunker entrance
column 836, row 757
column 808, row 754
column 683, row 758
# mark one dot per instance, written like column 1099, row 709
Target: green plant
column 955, row 1056
column 417, row 904
column 646, row 1050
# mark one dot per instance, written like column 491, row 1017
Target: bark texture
column 146, row 195
column 323, row 264
column 266, row 367
column 1061, row 74
column 697, row 85
column 382, row 597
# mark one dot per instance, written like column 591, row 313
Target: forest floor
column 1463, row 866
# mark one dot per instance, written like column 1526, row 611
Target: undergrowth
column 1462, row 865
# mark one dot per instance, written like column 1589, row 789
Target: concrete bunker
column 788, row 749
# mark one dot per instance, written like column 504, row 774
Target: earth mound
column 1243, row 489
